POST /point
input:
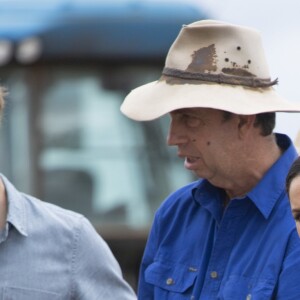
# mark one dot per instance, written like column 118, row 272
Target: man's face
column 294, row 195
column 205, row 140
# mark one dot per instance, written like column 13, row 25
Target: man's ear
column 245, row 123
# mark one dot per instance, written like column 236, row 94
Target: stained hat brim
column 155, row 99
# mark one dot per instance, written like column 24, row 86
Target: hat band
column 220, row 78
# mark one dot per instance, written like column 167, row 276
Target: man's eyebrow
column 296, row 210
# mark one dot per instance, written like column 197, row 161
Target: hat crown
column 211, row 64
column 212, row 47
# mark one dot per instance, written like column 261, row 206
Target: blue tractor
column 68, row 66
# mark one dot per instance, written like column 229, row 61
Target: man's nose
column 176, row 135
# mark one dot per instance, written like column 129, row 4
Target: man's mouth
column 191, row 159
column 191, row 162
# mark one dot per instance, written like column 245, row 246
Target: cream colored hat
column 211, row 64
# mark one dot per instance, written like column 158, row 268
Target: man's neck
column 255, row 167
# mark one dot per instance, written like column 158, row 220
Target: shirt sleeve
column 96, row 273
column 288, row 283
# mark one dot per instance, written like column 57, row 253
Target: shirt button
column 248, row 297
column 214, row 275
column 170, row 281
column 192, row 297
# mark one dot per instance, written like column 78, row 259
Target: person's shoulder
column 48, row 214
column 40, row 218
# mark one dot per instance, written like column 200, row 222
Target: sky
column 279, row 25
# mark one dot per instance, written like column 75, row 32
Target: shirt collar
column 264, row 195
column 269, row 189
column 16, row 207
column 210, row 197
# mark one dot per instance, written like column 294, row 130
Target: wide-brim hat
column 211, row 64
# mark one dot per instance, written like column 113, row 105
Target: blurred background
column 68, row 64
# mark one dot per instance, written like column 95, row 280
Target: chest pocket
column 241, row 287
column 14, row 293
column 174, row 281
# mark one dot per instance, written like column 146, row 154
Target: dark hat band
column 221, row 78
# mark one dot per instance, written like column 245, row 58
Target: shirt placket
column 224, row 242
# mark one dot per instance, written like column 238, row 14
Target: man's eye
column 192, row 121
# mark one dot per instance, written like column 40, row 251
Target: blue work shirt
column 249, row 251
column 48, row 253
